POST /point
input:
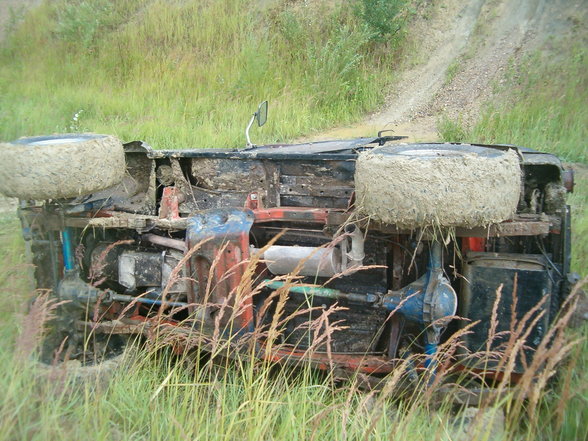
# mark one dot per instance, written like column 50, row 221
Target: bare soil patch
column 11, row 11
column 459, row 52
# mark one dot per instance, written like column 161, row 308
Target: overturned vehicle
column 345, row 254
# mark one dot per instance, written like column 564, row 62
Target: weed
column 546, row 110
column 188, row 74
column 75, row 124
column 383, row 18
column 33, row 325
column 452, row 131
column 218, row 388
column 80, row 22
column 452, row 71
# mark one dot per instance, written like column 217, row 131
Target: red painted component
column 169, row 207
column 253, row 201
column 220, row 263
column 228, row 271
column 473, row 244
column 298, row 214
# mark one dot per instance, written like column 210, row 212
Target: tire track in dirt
column 418, row 85
column 465, row 49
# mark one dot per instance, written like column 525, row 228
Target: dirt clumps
column 60, row 166
column 438, row 185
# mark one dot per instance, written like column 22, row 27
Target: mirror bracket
column 261, row 116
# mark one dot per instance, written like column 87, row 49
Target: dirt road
column 11, row 11
column 462, row 51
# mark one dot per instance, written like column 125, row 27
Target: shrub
column 383, row 17
column 80, row 22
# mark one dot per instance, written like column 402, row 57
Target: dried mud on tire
column 60, row 166
column 438, row 185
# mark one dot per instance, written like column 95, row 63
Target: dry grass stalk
column 95, row 270
column 244, row 345
column 33, row 324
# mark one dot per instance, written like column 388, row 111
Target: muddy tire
column 60, row 166
column 437, row 185
column 74, row 373
column 96, row 371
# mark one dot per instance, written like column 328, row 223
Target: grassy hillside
column 190, row 73
column 542, row 105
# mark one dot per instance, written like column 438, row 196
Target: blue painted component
column 435, row 257
column 444, row 301
column 409, row 302
column 74, row 289
column 67, row 248
column 147, row 301
column 432, row 293
column 430, row 351
column 218, row 223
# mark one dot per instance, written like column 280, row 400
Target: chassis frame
column 213, row 210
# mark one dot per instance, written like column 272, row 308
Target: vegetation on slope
column 543, row 106
column 189, row 73
column 158, row 71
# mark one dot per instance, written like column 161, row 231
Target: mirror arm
column 249, row 145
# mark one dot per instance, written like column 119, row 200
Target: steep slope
column 462, row 50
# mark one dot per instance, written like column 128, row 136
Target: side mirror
column 261, row 117
column 261, row 114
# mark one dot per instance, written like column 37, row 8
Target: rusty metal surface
column 219, row 240
column 115, row 327
column 201, row 335
column 118, row 221
column 292, row 214
column 567, row 178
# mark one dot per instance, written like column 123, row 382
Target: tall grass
column 155, row 394
column 579, row 203
column 189, row 74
